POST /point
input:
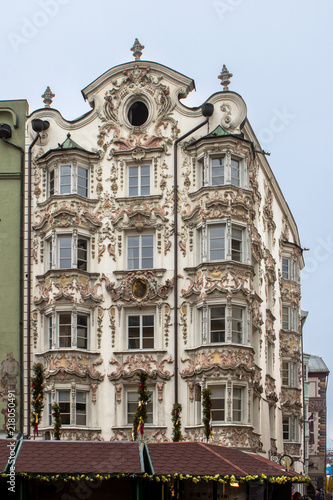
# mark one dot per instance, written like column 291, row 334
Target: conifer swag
column 57, row 421
column 140, row 416
column 37, row 396
column 207, row 412
column 176, row 421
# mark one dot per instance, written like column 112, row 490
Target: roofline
column 95, row 84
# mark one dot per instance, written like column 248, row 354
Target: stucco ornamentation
column 136, row 362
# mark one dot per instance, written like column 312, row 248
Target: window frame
column 229, row 394
column 55, row 251
column 291, row 324
column 226, row 164
column 140, row 256
column 73, row 403
column 290, row 428
column 207, row 321
column 55, row 178
column 291, row 273
column 139, row 177
column 151, row 405
column 141, row 327
column 289, row 374
column 231, row 248
column 53, row 326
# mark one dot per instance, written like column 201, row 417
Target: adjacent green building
column 12, row 126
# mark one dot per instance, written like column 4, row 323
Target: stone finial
column 137, row 49
column 225, row 76
column 48, row 97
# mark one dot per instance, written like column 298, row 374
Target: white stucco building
column 119, row 257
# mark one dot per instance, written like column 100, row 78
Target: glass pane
column 82, row 181
column 145, row 180
column 82, row 254
column 65, row 251
column 236, row 244
column 65, row 179
column 217, row 242
column 51, row 183
column 217, row 324
column 235, row 173
column 217, row 171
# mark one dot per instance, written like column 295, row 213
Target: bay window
column 68, row 179
column 289, row 374
column 223, row 170
column 227, row 241
column 220, row 408
column 290, row 428
column 225, row 324
column 68, row 329
column 68, row 251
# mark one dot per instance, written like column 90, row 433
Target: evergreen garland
column 207, row 412
column 57, row 420
column 176, row 421
column 37, row 396
column 140, row 416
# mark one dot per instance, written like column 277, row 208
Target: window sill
column 58, row 273
column 150, row 197
column 71, row 428
column 129, row 427
column 205, row 266
column 156, row 272
column 75, row 196
column 139, row 351
column 67, row 349
column 204, row 189
column 220, row 344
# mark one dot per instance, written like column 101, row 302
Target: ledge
column 127, row 352
column 205, row 266
column 123, row 273
column 67, row 350
column 72, row 196
column 148, row 197
column 222, row 187
column 60, row 273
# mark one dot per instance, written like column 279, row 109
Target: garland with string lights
column 57, row 421
column 37, row 396
column 176, row 421
column 140, row 416
column 207, row 412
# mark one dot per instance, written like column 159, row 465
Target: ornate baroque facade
column 119, row 257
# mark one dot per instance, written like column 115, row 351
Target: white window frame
column 229, row 322
column 141, row 327
column 75, row 171
column 290, row 376
column 289, row 319
column 151, row 407
column 54, row 243
column 229, row 398
column 73, row 394
column 290, row 425
column 53, row 329
column 140, row 257
column 228, row 240
column 139, row 184
column 226, row 161
column 289, row 268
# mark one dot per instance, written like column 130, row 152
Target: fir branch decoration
column 37, row 396
column 207, row 412
column 176, row 421
column 57, row 420
column 140, row 416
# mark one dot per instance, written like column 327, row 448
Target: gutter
column 207, row 110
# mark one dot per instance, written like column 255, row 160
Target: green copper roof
column 218, row 132
column 70, row 144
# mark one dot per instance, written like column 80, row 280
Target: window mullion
column 74, row 328
column 227, row 168
column 73, row 404
column 205, row 324
column 56, row 178
column 74, row 177
column 206, row 169
column 227, row 242
column 228, row 321
column 74, row 248
column 53, row 244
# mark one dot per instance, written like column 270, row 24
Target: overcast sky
column 280, row 54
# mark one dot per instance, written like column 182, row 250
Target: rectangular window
column 237, row 325
column 140, row 252
column 217, row 243
column 290, row 428
column 139, row 180
column 64, row 402
column 218, row 403
column 65, row 179
column 237, row 244
column 286, row 268
column 289, row 374
column 82, row 181
column 50, row 320
column 141, row 332
column 65, row 251
column 217, row 324
column 286, row 318
column 132, row 405
column 65, row 407
column 51, row 183
column 235, row 173
column 65, row 329
column 217, row 171
column 82, row 254
column 237, row 396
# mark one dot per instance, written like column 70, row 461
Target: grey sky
column 280, row 55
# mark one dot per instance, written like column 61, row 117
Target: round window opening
column 137, row 113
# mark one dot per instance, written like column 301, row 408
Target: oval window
column 137, row 113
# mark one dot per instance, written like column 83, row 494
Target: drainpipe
column 38, row 126
column 21, row 276
column 207, row 110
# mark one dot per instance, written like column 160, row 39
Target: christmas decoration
column 207, row 412
column 176, row 421
column 57, row 420
column 140, row 416
column 37, row 396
